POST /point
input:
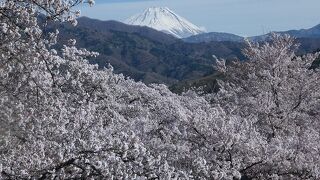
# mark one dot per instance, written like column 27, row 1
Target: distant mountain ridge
column 214, row 36
column 151, row 56
column 111, row 25
column 313, row 32
column 145, row 54
column 164, row 19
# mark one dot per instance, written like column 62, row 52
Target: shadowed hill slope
column 145, row 54
column 151, row 56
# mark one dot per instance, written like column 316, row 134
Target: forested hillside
column 152, row 56
column 146, row 54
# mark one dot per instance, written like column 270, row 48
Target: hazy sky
column 242, row 17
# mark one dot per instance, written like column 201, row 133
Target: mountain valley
column 152, row 56
column 145, row 54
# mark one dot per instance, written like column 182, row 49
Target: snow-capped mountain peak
column 163, row 19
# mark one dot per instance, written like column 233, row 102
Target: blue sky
column 241, row 17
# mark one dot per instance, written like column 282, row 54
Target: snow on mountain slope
column 163, row 19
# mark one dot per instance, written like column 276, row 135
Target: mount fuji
column 165, row 20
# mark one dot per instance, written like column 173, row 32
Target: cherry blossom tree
column 63, row 118
column 278, row 92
